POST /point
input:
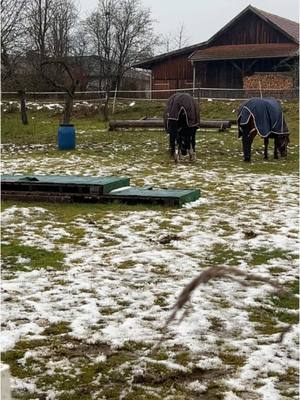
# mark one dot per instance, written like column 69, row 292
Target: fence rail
column 199, row 93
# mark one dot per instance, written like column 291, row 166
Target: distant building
column 85, row 69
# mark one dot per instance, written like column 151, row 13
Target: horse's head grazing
column 282, row 143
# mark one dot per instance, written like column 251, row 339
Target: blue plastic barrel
column 66, row 137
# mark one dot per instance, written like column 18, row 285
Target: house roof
column 245, row 51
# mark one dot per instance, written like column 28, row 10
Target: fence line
column 162, row 94
column 163, row 90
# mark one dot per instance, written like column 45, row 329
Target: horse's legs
column 193, row 139
column 248, row 134
column 182, row 141
column 266, row 143
column 178, row 145
column 275, row 147
column 247, row 139
column 172, row 130
column 192, row 151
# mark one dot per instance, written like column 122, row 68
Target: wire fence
column 158, row 95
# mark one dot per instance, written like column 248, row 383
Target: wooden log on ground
column 159, row 123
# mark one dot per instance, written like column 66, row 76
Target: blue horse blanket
column 267, row 115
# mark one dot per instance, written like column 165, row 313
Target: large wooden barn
column 253, row 43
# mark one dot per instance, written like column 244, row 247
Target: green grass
column 57, row 329
column 37, row 258
column 262, row 255
column 43, row 125
column 42, row 128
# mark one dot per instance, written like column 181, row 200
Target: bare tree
column 12, row 33
column 174, row 40
column 67, row 82
column 49, row 31
column 12, row 14
column 81, row 55
column 121, row 33
column 64, row 19
column 100, row 28
column 134, row 35
column 180, row 37
column 40, row 15
column 166, row 43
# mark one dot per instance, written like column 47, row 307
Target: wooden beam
column 250, row 66
column 159, row 123
column 237, row 66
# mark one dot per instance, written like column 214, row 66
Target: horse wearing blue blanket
column 263, row 116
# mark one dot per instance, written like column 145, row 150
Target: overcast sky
column 202, row 18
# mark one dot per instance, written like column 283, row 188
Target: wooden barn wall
column 250, row 29
column 223, row 74
column 175, row 67
column 218, row 74
column 174, row 73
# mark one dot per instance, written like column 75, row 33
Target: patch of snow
column 268, row 391
column 8, row 337
column 209, row 363
column 197, row 386
column 101, row 358
column 231, row 396
column 196, row 203
column 166, row 363
column 22, row 260
column 21, row 384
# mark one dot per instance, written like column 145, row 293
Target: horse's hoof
column 247, row 159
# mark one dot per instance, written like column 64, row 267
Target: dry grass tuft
column 217, row 272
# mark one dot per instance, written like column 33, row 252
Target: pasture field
column 86, row 289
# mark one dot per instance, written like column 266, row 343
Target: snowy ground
column 84, row 326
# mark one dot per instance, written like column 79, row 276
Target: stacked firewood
column 268, row 81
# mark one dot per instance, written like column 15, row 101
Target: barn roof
column 245, row 51
column 288, row 27
column 149, row 62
